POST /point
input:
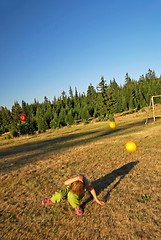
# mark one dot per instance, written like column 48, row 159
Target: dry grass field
column 34, row 167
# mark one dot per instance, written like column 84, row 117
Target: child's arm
column 93, row 192
column 73, row 179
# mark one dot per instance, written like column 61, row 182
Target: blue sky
column 48, row 45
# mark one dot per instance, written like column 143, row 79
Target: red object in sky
column 23, row 118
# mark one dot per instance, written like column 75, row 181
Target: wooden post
column 151, row 104
column 152, row 100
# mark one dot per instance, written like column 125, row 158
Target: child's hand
column 100, row 202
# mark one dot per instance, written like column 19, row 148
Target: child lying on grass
column 73, row 192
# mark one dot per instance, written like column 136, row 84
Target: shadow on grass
column 32, row 152
column 103, row 182
column 151, row 119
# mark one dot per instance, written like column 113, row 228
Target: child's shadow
column 103, row 182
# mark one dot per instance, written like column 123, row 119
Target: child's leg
column 60, row 195
column 74, row 199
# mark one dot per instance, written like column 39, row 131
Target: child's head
column 77, row 187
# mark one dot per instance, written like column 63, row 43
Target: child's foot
column 46, row 202
column 79, row 211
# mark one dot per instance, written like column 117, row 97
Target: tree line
column 100, row 102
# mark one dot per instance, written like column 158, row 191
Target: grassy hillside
column 33, row 167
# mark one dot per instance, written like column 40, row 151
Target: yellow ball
column 112, row 125
column 131, row 146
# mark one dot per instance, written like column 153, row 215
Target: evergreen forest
column 100, row 102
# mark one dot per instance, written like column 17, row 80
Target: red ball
column 23, row 118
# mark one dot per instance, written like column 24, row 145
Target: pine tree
column 111, row 105
column 116, row 95
column 62, row 117
column 102, row 99
column 5, row 119
column 16, row 112
column 85, row 114
column 48, row 113
column 55, row 122
column 23, row 128
column 41, row 122
column 91, row 100
column 25, row 108
column 69, row 120
column 70, row 92
column 142, row 91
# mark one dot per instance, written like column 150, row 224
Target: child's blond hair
column 77, row 187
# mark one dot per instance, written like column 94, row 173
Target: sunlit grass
column 34, row 167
